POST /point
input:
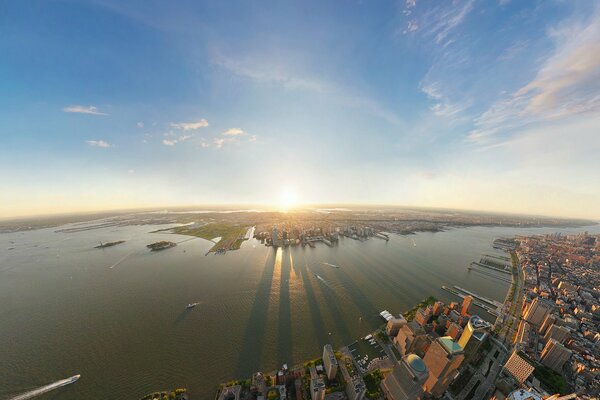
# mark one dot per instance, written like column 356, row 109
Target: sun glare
column 288, row 198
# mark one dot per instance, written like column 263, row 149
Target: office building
column 394, row 325
column 558, row 333
column 317, row 385
column 519, row 366
column 523, row 394
column 474, row 334
column 438, row 308
column 423, row 315
column 406, row 380
column 466, row 305
column 442, row 359
column 548, row 322
column 454, row 331
column 538, row 310
column 555, row 355
column 275, row 237
column 330, row 362
column 411, row 338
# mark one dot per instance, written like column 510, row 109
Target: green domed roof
column 416, row 363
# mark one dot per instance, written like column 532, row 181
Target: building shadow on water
column 284, row 338
column 313, row 305
column 253, row 337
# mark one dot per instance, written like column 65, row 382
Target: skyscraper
column 466, row 304
column 410, row 339
column 329, row 361
column 555, row 355
column 443, row 358
column 406, row 380
column 538, row 310
column 473, row 335
column 274, row 237
column 558, row 333
column 394, row 325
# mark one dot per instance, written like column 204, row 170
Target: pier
column 488, row 305
column 504, row 271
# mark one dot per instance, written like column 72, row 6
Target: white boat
column 192, row 305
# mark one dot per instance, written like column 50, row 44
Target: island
column 162, row 245
column 109, row 244
column 225, row 236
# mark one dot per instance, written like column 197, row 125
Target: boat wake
column 44, row 389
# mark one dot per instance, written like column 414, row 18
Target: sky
column 469, row 104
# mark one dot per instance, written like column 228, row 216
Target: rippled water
column 125, row 329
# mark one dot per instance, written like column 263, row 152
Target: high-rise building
column 558, row 333
column 317, row 385
column 423, row 315
column 394, row 325
column 555, row 355
column 443, row 358
column 274, row 236
column 410, row 338
column 473, row 335
column 538, row 310
column 329, row 361
column 466, row 304
column 522, row 394
column 454, row 331
column 548, row 322
column 406, row 380
column 438, row 308
column 519, row 366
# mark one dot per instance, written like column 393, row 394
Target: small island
column 109, row 244
column 163, row 244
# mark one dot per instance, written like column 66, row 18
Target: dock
column 489, row 307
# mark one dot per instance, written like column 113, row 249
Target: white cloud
column 440, row 21
column 187, row 126
column 566, row 84
column 174, row 141
column 83, row 110
column 252, row 138
column 140, row 124
column 98, row 143
column 411, row 3
column 234, row 132
column 412, row 26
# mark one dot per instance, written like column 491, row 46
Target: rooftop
column 450, row 345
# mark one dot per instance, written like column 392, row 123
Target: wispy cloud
column 140, row 124
column 443, row 107
column 266, row 72
column 234, row 132
column 279, row 73
column 232, row 136
column 513, row 50
column 83, row 110
column 566, row 84
column 187, row 126
column 173, row 139
column 440, row 21
column 98, row 143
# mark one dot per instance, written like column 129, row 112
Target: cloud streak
column 188, row 126
column 98, row 143
column 567, row 84
column 92, row 110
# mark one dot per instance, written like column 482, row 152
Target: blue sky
column 489, row 105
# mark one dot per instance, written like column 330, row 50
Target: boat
column 192, row 305
column 330, row 265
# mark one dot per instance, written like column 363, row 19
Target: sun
column 288, row 197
